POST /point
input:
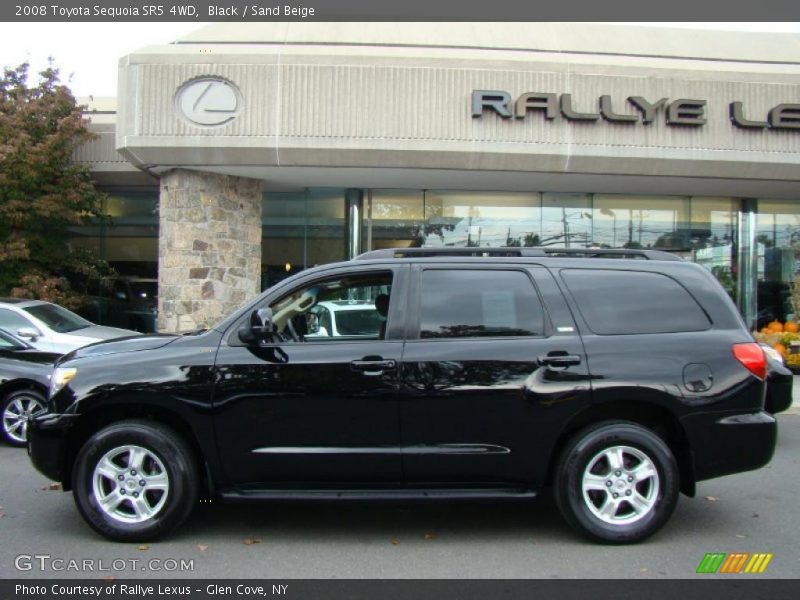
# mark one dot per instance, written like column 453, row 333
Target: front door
column 311, row 407
column 487, row 375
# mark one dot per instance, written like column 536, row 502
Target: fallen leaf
column 144, row 547
column 755, row 515
column 711, row 498
column 643, row 570
column 429, row 536
column 53, row 486
column 202, row 547
column 109, row 578
column 251, row 541
column 395, row 542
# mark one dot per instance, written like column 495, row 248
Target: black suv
column 490, row 373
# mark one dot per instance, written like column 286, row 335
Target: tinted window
column 462, row 303
column 622, row 302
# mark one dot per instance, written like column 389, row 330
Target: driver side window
column 353, row 307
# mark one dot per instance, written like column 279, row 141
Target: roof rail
column 511, row 251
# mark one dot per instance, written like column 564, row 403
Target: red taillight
column 752, row 357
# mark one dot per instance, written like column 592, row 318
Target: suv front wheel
column 135, row 481
column 616, row 482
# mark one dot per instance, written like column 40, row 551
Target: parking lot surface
column 748, row 512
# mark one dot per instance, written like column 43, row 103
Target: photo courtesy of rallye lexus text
column 618, row 378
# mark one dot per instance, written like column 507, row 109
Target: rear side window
column 479, row 303
column 629, row 302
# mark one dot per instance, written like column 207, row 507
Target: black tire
column 12, row 430
column 166, row 453
column 656, row 495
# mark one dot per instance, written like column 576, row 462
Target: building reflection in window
column 778, row 240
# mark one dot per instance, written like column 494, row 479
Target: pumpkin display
column 780, row 348
column 775, row 327
column 791, row 327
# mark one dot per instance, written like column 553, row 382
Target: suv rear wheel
column 616, row 482
column 135, row 481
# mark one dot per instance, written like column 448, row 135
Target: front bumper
column 47, row 444
column 722, row 444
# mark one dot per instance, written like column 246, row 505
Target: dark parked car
column 498, row 372
column 127, row 302
column 24, row 379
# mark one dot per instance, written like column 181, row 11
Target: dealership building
column 245, row 152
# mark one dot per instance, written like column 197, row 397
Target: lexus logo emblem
column 209, row 101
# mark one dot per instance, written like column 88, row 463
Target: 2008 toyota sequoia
column 487, row 373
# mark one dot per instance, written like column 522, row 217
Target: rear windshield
column 57, row 318
column 628, row 302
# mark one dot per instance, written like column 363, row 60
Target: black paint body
column 461, row 416
column 23, row 366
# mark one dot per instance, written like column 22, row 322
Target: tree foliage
column 42, row 192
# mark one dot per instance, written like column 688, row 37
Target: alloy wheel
column 130, row 484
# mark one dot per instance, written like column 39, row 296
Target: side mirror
column 261, row 327
column 28, row 333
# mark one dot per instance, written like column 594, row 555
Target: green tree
column 42, row 192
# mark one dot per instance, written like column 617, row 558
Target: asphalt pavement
column 748, row 512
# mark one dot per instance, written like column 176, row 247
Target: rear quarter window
column 633, row 302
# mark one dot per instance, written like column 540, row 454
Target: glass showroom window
column 129, row 242
column 713, row 238
column 456, row 218
column 300, row 230
column 778, row 237
column 633, row 221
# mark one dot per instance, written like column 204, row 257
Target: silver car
column 52, row 328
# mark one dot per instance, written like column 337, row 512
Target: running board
column 377, row 494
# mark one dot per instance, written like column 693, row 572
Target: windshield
column 9, row 343
column 57, row 318
column 357, row 322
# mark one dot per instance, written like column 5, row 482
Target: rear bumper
column 730, row 443
column 47, row 445
column 779, row 390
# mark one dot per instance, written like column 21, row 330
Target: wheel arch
column 642, row 412
column 102, row 416
column 15, row 385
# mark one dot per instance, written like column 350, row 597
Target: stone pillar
column 209, row 247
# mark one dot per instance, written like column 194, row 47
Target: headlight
column 61, row 377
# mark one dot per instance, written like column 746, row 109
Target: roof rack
column 510, row 251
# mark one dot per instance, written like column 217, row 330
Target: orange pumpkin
column 791, row 327
column 780, row 348
column 775, row 327
column 765, row 330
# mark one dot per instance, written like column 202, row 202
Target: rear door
column 491, row 366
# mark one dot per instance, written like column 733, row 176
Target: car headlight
column 61, row 377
